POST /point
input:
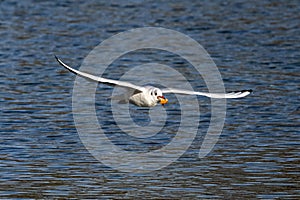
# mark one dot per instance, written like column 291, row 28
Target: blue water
column 254, row 44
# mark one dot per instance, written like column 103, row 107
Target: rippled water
column 255, row 45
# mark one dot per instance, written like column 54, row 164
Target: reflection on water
column 255, row 45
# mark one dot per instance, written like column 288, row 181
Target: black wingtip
column 56, row 57
column 250, row 91
column 59, row 61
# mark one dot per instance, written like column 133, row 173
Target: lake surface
column 255, row 46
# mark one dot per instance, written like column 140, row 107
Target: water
column 255, row 45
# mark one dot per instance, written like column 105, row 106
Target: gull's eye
column 155, row 93
column 151, row 93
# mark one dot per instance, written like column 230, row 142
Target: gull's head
column 158, row 96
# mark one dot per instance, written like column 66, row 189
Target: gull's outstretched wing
column 229, row 95
column 100, row 79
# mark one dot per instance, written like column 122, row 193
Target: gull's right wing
column 229, row 95
column 100, row 79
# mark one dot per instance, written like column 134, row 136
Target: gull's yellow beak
column 162, row 100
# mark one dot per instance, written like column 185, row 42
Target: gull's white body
column 149, row 96
column 145, row 98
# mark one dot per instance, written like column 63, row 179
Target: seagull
column 149, row 96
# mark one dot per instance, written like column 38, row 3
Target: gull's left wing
column 100, row 79
column 229, row 95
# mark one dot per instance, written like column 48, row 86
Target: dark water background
column 256, row 44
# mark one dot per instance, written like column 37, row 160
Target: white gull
column 149, row 96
